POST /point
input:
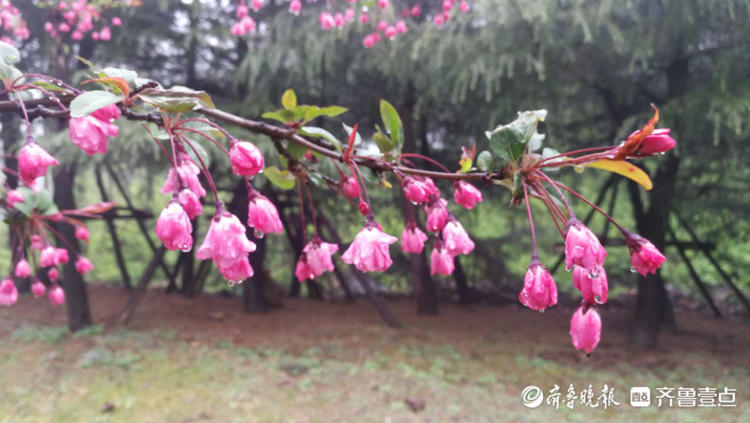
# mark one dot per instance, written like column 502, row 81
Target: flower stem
column 594, row 206
column 534, row 253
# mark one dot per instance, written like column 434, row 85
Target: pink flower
column 382, row 4
column 23, row 270
column 416, row 11
column 52, row 274
column 539, row 289
column 591, row 287
column 441, row 261
column 83, row 265
column 437, row 216
column 447, row 5
column 82, row 233
column 401, row 27
column 33, row 162
column 466, row 194
column 369, row 250
column 658, row 141
column 295, row 6
column 585, row 328
column 382, row 25
column 338, row 20
column 350, row 187
column 246, row 159
column 116, row 21
column 52, row 256
column 439, row 20
column 315, row 259
column 105, row 34
column 8, row 292
column 263, row 216
column 456, row 239
column 419, row 190
column 391, row 32
column 14, row 196
column 190, row 203
column 463, row 6
column 644, row 256
column 256, row 4
column 91, row 133
column 37, row 288
column 174, row 229
column 326, row 20
column 56, row 295
column 364, row 18
column 370, row 40
column 582, row 247
column 227, row 245
column 412, row 239
column 37, row 243
column 188, row 172
column 242, row 11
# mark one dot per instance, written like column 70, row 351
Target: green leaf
column 296, row 150
column 91, row 101
column 202, row 153
column 281, row 115
column 314, row 131
column 384, row 143
column 126, row 74
column 392, row 123
column 176, row 99
column 9, row 54
column 289, row 99
column 509, row 141
column 40, row 201
column 484, row 161
column 281, row 178
column 48, row 86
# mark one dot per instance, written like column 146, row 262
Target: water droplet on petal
column 258, row 234
column 541, row 311
column 414, row 203
column 231, row 283
column 632, row 269
column 598, row 299
column 593, row 274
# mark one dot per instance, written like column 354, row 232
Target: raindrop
column 598, row 299
column 541, row 311
column 231, row 283
column 632, row 269
column 414, row 203
column 568, row 269
column 258, row 234
column 593, row 274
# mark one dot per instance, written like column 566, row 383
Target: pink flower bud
column 416, row 11
column 466, row 194
column 83, row 265
column 456, row 239
column 82, row 233
column 369, row 250
column 242, row 11
column 364, row 18
column 585, row 328
column 463, row 6
column 539, row 289
column 658, row 141
column 246, row 159
column 419, row 190
column 437, row 216
column 382, row 4
column 227, row 245
column 412, row 239
column 263, row 216
column 37, row 243
column 338, row 20
column 315, row 259
column 56, row 295
column 8, row 292
column 174, row 228
column 33, row 162
column 401, row 27
column 256, row 4
column 349, row 15
column 52, row 274
column 105, row 34
column 350, row 187
column 591, row 284
column 382, row 25
column 582, row 247
column 13, row 197
column 190, row 203
column 438, row 20
column 391, row 32
column 369, row 41
column 364, row 208
column 23, row 270
column 37, row 288
column 116, row 21
column 62, row 255
column 644, row 256
column 295, row 6
column 326, row 20
column 91, row 133
column 441, row 261
column 188, row 172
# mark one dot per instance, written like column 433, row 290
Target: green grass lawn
column 358, row 370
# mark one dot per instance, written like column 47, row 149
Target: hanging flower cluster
column 380, row 22
column 75, row 19
column 12, row 25
column 181, row 116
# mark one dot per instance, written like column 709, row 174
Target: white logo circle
column 532, row 396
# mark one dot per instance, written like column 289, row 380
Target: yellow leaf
column 112, row 81
column 625, row 169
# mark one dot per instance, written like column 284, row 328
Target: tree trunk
column 76, row 297
column 653, row 307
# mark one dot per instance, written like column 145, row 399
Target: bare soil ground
column 203, row 359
